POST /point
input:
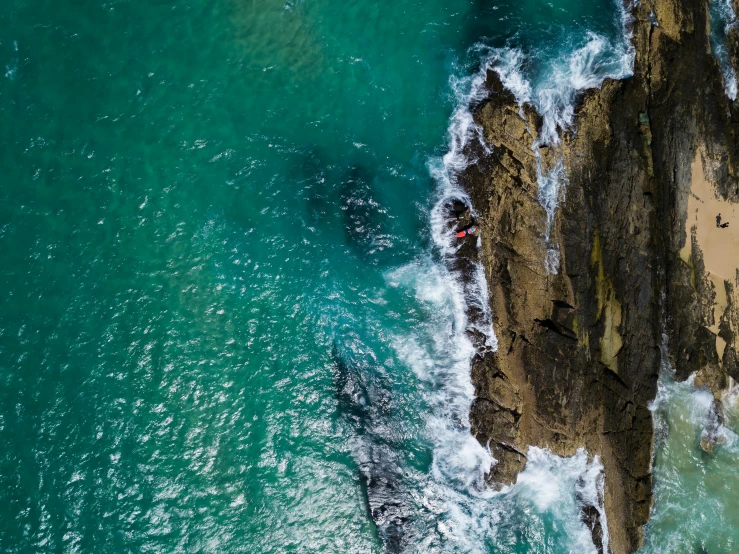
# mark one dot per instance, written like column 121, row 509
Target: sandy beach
column 719, row 245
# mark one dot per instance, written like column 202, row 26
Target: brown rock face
column 579, row 350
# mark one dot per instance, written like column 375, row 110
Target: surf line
column 554, row 97
column 472, row 332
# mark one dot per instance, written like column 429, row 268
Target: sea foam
column 554, row 92
column 464, row 510
column 723, row 19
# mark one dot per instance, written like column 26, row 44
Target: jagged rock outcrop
column 579, row 350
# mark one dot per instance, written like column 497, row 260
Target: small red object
column 466, row 232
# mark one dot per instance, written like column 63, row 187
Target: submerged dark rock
column 364, row 401
column 579, row 349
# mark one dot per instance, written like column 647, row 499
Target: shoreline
column 579, row 350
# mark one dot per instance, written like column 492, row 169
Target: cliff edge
column 648, row 162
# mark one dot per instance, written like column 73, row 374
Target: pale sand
column 720, row 247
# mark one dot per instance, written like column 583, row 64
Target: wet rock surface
column 579, row 351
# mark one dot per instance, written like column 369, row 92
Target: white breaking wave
column 467, row 515
column 440, row 354
column 462, row 513
column 692, row 486
column 701, row 404
column 479, row 297
column 548, row 482
column 723, row 19
column 591, row 489
column 444, row 357
column 458, row 456
column 554, row 92
column 587, row 67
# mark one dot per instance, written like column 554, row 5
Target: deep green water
column 226, row 322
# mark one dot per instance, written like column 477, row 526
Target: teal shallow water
column 224, row 314
column 696, row 492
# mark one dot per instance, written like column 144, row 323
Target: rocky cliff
column 647, row 160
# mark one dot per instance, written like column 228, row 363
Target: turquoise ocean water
column 227, row 324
